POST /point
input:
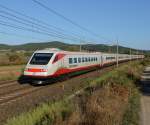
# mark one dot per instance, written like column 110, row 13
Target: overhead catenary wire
column 37, row 29
column 31, row 18
column 30, row 23
column 7, row 24
column 18, row 35
column 39, row 22
column 68, row 20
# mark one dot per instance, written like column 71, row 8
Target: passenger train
column 52, row 63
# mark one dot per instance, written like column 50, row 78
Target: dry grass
column 100, row 107
column 3, row 59
column 13, row 58
column 10, row 72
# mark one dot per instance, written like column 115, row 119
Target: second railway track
column 13, row 96
column 11, row 90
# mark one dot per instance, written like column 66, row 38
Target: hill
column 69, row 47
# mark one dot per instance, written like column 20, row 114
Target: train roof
column 55, row 50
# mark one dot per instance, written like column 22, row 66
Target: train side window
column 96, row 58
column 89, row 59
column 79, row 60
column 82, row 59
column 70, row 61
column 86, row 59
column 75, row 60
column 92, row 59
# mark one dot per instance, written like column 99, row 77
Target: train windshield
column 41, row 58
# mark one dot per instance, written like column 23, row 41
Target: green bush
column 46, row 114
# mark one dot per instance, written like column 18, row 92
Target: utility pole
column 137, row 54
column 80, row 47
column 130, row 55
column 117, row 52
column 142, row 54
column 109, row 47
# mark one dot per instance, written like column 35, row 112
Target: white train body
column 53, row 62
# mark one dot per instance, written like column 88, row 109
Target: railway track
column 11, row 90
column 3, row 83
column 11, row 97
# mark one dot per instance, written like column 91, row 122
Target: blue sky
column 125, row 20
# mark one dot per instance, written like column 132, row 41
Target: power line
column 67, row 19
column 7, row 24
column 31, row 18
column 38, row 29
column 18, row 35
column 56, row 29
column 60, row 15
column 30, row 23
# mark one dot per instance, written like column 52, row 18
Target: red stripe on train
column 35, row 70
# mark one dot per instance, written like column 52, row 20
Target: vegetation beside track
column 11, row 72
column 13, row 58
column 113, row 98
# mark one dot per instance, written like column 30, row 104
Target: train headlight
column 44, row 70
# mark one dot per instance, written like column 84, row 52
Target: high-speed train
column 51, row 63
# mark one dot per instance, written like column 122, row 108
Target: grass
column 10, row 72
column 111, row 93
column 12, row 58
column 46, row 114
column 131, row 116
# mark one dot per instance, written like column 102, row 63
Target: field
column 14, row 58
column 11, row 72
column 11, row 65
column 107, row 100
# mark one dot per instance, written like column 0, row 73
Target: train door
column 60, row 57
column 63, row 62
